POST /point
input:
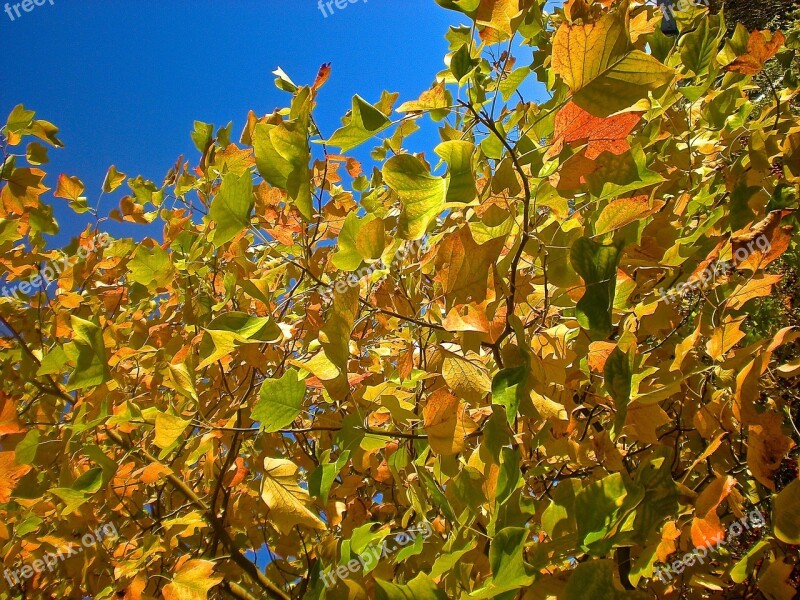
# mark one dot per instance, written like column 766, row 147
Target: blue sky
column 124, row 79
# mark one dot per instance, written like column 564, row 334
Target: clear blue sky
column 124, row 79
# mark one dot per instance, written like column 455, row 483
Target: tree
column 520, row 365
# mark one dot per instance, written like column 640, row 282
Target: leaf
column 10, row 474
column 725, row 337
column 363, row 123
column 461, row 177
column 756, row 287
column 786, row 514
column 279, row 402
column 91, row 367
column 706, row 527
column 574, row 124
column 231, row 207
column 597, row 265
column 434, row 99
column 759, row 51
column 113, row 179
column 603, row 509
column 246, row 328
column 466, row 376
column 9, row 423
column 282, row 157
column 168, row 429
column 595, row 580
column 699, row 46
column 320, row 481
column 506, row 557
column 71, row 189
column 421, row 194
column 285, row 498
column 624, row 211
column 446, row 423
column 602, row 70
column 463, row 266
column 192, row 581
column 617, row 375
column 151, row 267
column 419, row 588
column 508, row 389
column 767, row 445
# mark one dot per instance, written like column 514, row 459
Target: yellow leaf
column 113, row 179
column 168, row 429
column 724, row 338
column 287, row 501
column 466, row 376
column 767, row 445
column 446, row 423
column 192, row 581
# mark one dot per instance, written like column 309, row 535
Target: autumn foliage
column 317, row 355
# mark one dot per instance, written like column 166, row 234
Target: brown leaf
column 759, row 51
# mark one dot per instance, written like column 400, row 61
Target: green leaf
column 282, row 157
column 605, row 508
column 618, row 376
column 623, row 84
column 594, row 580
column 25, row 452
column 280, row 401
column 82, row 489
column 246, row 328
column 419, row 588
column 347, row 256
column 202, row 135
column 422, row 194
column 322, row 478
column 597, row 265
column 700, row 46
column 363, row 122
column 91, row 363
column 508, row 389
column 786, row 514
column 151, row 267
column 506, row 557
column 461, row 178
column 231, row 207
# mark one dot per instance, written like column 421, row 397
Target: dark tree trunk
column 757, row 14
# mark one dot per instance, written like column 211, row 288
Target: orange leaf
column 753, row 288
column 706, row 526
column 10, row 474
column 322, row 76
column 69, row 188
column 759, row 51
column 9, row 424
column 573, row 124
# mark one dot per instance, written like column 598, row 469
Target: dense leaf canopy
column 537, row 343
